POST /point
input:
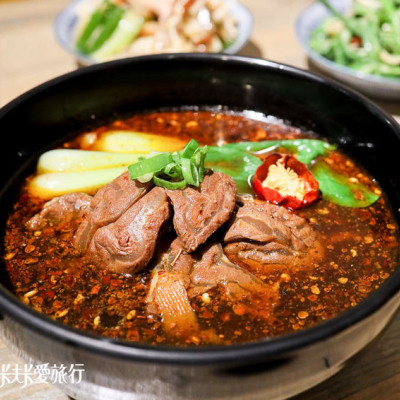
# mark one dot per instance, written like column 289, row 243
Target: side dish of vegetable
column 132, row 27
column 366, row 38
column 292, row 179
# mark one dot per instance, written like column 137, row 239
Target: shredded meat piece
column 169, row 299
column 263, row 236
column 168, row 296
column 172, row 302
column 60, row 211
column 180, row 276
column 176, row 259
column 199, row 213
column 240, row 285
column 109, row 203
column 172, row 260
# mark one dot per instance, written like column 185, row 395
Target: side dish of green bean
column 366, row 38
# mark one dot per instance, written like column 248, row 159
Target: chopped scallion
column 149, row 165
column 169, row 184
column 172, row 170
column 189, row 149
column 189, row 172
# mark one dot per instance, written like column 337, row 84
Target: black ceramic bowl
column 269, row 369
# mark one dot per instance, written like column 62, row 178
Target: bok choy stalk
column 49, row 185
column 137, row 142
column 71, row 160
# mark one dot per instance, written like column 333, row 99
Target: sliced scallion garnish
column 172, row 170
column 169, row 184
column 149, row 165
column 189, row 149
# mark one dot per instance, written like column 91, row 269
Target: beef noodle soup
column 198, row 228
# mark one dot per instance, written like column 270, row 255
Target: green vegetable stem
column 100, row 27
column 348, row 23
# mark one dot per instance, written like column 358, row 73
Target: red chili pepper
column 356, row 40
column 288, row 168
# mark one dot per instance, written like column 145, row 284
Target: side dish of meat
column 196, row 261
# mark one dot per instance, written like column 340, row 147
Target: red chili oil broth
column 46, row 272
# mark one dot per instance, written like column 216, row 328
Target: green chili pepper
column 306, row 149
column 125, row 33
column 237, row 163
column 337, row 188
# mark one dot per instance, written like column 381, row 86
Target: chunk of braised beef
column 263, row 236
column 60, row 210
column 109, row 203
column 199, row 213
column 127, row 245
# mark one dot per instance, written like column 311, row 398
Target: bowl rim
column 332, row 65
column 68, row 13
column 251, row 352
